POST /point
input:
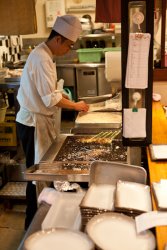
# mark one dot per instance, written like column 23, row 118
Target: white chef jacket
column 37, row 98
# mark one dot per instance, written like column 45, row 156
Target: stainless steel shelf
column 75, row 10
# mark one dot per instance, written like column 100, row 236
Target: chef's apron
column 46, row 130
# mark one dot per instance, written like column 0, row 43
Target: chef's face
column 62, row 46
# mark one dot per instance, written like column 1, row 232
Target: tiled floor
column 11, row 225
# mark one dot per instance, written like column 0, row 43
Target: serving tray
column 62, row 171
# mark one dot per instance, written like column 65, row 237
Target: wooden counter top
column 158, row 169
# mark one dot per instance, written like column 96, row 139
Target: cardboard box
column 8, row 132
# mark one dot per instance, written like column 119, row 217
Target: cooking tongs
column 107, row 136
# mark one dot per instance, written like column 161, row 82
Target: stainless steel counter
column 54, row 148
column 50, row 170
column 80, row 65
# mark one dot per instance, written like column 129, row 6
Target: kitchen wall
column 43, row 31
column 10, row 47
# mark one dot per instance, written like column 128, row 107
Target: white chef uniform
column 37, row 98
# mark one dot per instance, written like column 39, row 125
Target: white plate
column 133, row 196
column 114, row 231
column 64, row 212
column 160, row 192
column 158, row 152
column 99, row 196
column 61, row 239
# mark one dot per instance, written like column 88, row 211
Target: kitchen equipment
column 112, row 104
column 79, row 148
column 86, row 82
column 95, row 99
column 99, row 119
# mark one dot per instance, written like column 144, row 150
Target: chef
column 40, row 100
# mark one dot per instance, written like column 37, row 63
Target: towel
column 113, row 66
column 134, row 123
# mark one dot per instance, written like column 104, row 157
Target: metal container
column 86, row 82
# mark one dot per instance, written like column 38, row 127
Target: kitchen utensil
column 94, row 99
column 108, row 135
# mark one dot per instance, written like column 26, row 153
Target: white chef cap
column 68, row 26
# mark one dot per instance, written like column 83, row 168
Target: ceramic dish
column 133, row 196
column 160, row 192
column 99, row 196
column 114, row 231
column 59, row 238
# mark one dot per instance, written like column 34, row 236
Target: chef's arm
column 78, row 106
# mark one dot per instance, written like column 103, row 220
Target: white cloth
column 48, row 195
column 134, row 123
column 68, row 26
column 37, row 97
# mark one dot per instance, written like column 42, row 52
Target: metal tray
column 74, row 149
column 102, row 172
column 62, row 171
column 99, row 120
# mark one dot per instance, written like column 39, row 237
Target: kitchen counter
column 80, row 65
column 158, row 169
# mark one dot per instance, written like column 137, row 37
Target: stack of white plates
column 58, row 238
column 114, row 231
column 133, row 198
column 98, row 199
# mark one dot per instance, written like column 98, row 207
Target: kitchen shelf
column 108, row 34
column 75, row 10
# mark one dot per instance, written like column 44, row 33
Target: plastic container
column 90, row 55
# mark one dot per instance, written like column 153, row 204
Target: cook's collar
column 48, row 50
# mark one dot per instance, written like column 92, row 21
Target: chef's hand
column 81, row 106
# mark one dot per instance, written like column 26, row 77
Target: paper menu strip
column 149, row 220
column 137, row 64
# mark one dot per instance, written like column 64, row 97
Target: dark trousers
column 26, row 136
